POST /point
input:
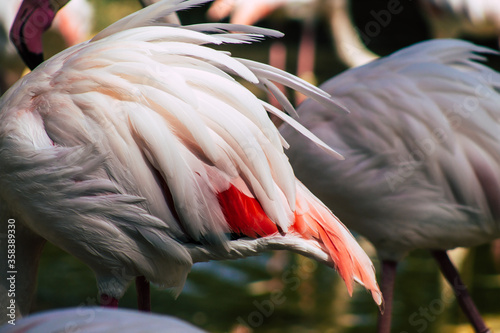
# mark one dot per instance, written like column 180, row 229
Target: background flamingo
column 448, row 18
column 444, row 19
column 422, row 154
column 99, row 320
column 146, row 156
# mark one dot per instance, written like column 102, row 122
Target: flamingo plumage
column 421, row 149
column 139, row 153
column 99, row 320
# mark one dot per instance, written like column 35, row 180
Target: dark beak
column 33, row 19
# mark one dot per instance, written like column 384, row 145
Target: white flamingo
column 99, row 320
column 422, row 149
column 140, row 154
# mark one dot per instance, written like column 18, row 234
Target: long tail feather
column 313, row 220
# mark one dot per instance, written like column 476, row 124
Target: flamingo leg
column 306, row 56
column 388, row 278
column 463, row 297
column 143, row 294
column 108, row 301
column 277, row 58
column 495, row 253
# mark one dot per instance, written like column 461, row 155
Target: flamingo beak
column 33, row 19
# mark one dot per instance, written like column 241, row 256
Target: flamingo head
column 32, row 20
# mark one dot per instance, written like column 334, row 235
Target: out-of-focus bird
column 348, row 44
column 250, row 12
column 73, row 22
column 455, row 18
column 244, row 12
column 139, row 153
column 99, row 320
column 422, row 156
column 446, row 19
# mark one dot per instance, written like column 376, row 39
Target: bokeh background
column 283, row 292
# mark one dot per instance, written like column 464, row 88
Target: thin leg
column 143, row 294
column 108, row 301
column 463, row 297
column 495, row 253
column 306, row 56
column 387, row 287
column 277, row 58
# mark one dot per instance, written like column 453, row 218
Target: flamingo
column 99, row 320
column 139, row 153
column 445, row 18
column 422, row 156
column 73, row 23
column 461, row 17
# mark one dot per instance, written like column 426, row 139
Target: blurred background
column 283, row 292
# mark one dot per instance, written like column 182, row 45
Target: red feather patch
column 245, row 214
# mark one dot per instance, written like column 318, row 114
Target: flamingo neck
column 350, row 48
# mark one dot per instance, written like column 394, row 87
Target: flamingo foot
column 108, row 301
column 143, row 294
column 463, row 297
